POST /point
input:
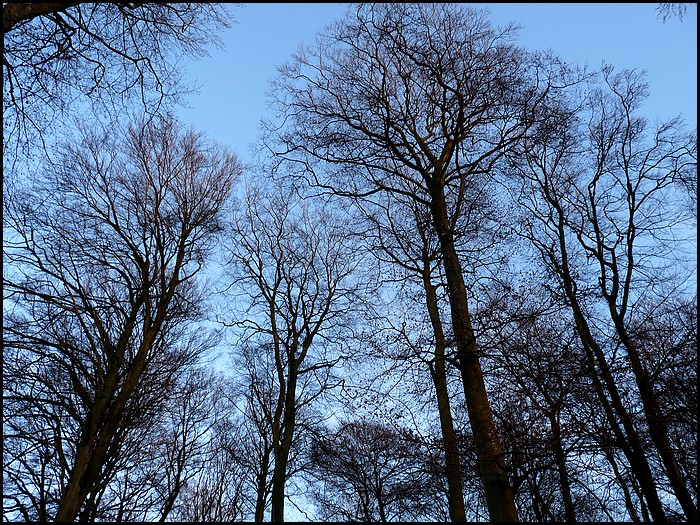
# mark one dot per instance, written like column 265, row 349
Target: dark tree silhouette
column 294, row 263
column 102, row 256
column 371, row 472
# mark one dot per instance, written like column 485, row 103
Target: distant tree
column 102, row 256
column 218, row 493
column 186, row 450
column 371, row 472
column 535, row 352
column 57, row 56
column 293, row 264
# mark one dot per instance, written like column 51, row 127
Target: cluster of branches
column 58, row 58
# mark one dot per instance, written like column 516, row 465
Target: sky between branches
column 234, row 80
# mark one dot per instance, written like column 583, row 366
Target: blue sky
column 234, row 80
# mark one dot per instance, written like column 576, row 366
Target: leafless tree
column 370, row 472
column 535, row 354
column 160, row 457
column 601, row 189
column 293, row 262
column 255, row 392
column 431, row 95
column 666, row 334
column 102, row 258
column 58, row 57
column 218, row 492
column 376, row 473
column 667, row 10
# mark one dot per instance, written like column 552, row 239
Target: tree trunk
column 453, row 472
column 489, row 451
column 658, row 430
column 279, row 475
column 262, row 481
column 77, row 488
column 631, row 443
column 632, row 447
column 561, row 468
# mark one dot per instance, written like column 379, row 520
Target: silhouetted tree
column 102, row 256
column 371, row 472
column 295, row 265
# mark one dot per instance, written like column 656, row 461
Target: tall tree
column 403, row 238
column 102, row 258
column 600, row 186
column 293, row 262
column 430, row 95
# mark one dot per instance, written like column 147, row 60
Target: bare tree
column 218, row 493
column 601, row 188
column 667, row 10
column 430, row 95
column 58, row 56
column 256, row 394
column 102, row 256
column 186, row 438
column 666, row 334
column 293, row 262
column 160, row 457
column 535, row 352
column 371, row 472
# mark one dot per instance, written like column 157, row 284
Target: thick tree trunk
column 89, row 456
column 14, row 13
column 103, row 422
column 562, row 470
column 489, row 451
column 278, row 481
column 77, row 488
column 262, row 481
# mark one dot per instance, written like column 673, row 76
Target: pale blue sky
column 232, row 99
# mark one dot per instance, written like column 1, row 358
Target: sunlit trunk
column 489, row 451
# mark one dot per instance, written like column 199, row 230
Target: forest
column 458, row 282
